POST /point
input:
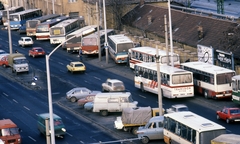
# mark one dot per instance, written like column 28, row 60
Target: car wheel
column 29, row 54
column 104, row 112
column 227, row 121
column 218, row 117
column 145, row 140
column 134, row 130
column 33, row 56
column 206, row 94
column 142, row 87
column 4, row 65
column 73, row 99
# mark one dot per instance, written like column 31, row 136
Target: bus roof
column 13, row 8
column 45, row 17
column 236, row 77
column 102, row 32
column 163, row 68
column 25, row 11
column 121, row 38
column 149, row 50
column 61, row 18
column 64, row 23
column 83, row 30
column 194, row 121
column 113, row 94
column 206, row 67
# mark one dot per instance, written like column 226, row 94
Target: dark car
column 22, row 30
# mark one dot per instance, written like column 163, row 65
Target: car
column 88, row 106
column 79, row 92
column 229, row 114
column 4, row 61
column 2, row 52
column 113, row 85
column 88, row 98
column 177, row 108
column 25, row 41
column 22, row 29
column 36, row 51
column 76, row 67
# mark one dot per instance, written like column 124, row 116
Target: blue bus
column 18, row 19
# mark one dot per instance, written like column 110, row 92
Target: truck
column 226, row 139
column 18, row 63
column 9, row 132
column 132, row 118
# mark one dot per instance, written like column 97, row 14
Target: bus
column 32, row 24
column 236, row 89
column 42, row 29
column 147, row 54
column 11, row 10
column 74, row 44
column 118, row 46
column 175, row 82
column 210, row 80
column 90, row 42
column 189, row 128
column 59, row 31
column 18, row 19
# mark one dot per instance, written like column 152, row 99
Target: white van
column 153, row 130
column 113, row 102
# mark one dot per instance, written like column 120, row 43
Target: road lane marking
column 5, row 94
column 15, row 101
column 26, row 108
column 32, row 138
column 97, row 78
column 60, row 63
column 142, row 96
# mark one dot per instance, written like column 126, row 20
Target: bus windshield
column 224, row 78
column 124, row 47
column 56, row 31
column 14, row 18
column 164, row 58
column 207, row 136
column 42, row 28
column 182, row 78
column 89, row 41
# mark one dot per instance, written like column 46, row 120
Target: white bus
column 147, row 54
column 210, row 80
column 190, row 128
column 74, row 44
column 90, row 42
column 42, row 29
column 236, row 89
column 11, row 10
column 32, row 24
column 59, row 31
column 118, row 46
column 175, row 82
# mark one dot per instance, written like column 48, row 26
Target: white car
column 25, row 41
column 113, row 85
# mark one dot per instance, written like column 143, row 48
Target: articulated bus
column 118, row 46
column 175, row 82
column 18, row 19
column 32, row 24
column 11, row 10
column 210, row 80
column 90, row 42
column 42, row 29
column 190, row 128
column 147, row 54
column 74, row 44
column 59, row 31
column 236, row 89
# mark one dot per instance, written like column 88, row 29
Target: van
column 153, row 130
column 113, row 102
column 9, row 132
column 59, row 127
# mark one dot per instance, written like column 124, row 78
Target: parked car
column 80, row 92
column 88, row 106
column 229, row 114
column 22, row 29
column 36, row 51
column 82, row 101
column 25, row 41
column 76, row 67
column 177, row 108
column 113, row 85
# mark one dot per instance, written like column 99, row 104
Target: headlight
column 63, row 129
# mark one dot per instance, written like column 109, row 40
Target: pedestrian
column 80, row 55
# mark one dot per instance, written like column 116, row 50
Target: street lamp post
column 50, row 90
column 105, row 27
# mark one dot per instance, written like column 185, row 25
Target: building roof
column 184, row 26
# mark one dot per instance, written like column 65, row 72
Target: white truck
column 132, row 118
column 18, row 63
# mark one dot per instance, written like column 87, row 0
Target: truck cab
column 9, row 132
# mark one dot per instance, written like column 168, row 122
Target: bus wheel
column 142, row 87
column 145, row 140
column 206, row 94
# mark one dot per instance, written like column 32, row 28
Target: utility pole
column 170, row 30
column 105, row 27
column 166, row 38
column 9, row 31
column 99, row 45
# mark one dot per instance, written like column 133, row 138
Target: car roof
column 80, row 88
column 114, row 80
column 156, row 119
column 37, row 48
column 77, row 62
column 26, row 37
column 46, row 115
column 179, row 105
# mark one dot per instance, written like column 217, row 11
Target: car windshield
column 235, row 111
column 20, row 61
column 2, row 52
column 78, row 65
column 9, row 131
column 27, row 39
column 118, row 84
column 58, row 122
column 183, row 109
column 38, row 50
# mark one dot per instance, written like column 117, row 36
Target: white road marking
column 97, row 78
column 142, row 96
column 15, row 101
column 32, row 138
column 26, row 108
